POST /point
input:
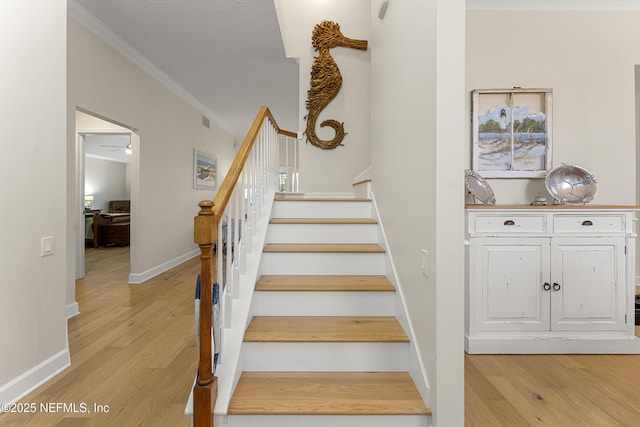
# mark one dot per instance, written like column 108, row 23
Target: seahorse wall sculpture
column 326, row 81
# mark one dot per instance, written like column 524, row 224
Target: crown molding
column 80, row 14
column 553, row 4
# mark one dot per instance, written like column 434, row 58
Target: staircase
column 324, row 346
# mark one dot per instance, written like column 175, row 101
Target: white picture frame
column 512, row 133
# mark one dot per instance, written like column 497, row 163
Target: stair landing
column 326, row 393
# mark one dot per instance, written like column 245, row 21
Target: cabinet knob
column 587, row 223
column 546, row 286
column 509, row 222
column 556, row 286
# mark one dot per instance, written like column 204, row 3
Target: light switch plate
column 46, row 246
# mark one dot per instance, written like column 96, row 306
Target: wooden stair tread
column 325, row 247
column 325, row 329
column 323, row 221
column 321, row 199
column 324, row 283
column 326, row 393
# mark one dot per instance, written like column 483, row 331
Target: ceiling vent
column 205, row 122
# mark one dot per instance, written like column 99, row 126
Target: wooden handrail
column 226, row 188
column 205, row 391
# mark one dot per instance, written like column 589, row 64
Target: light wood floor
column 133, row 349
column 552, row 390
column 566, row 390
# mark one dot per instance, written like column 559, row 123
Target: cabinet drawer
column 510, row 224
column 588, row 223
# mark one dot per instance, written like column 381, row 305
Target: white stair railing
column 289, row 164
column 224, row 230
column 236, row 230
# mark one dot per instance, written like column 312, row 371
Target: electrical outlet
column 424, row 262
column 46, row 246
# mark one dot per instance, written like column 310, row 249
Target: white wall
column 417, row 94
column 588, row 59
column 105, row 180
column 86, row 122
column 33, row 339
column 103, row 82
column 416, row 154
column 332, row 171
column 108, row 179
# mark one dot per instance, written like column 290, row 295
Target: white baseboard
column 137, row 278
column 72, row 310
column 22, row 385
column 565, row 345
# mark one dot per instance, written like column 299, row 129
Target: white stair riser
column 325, row 356
column 303, row 303
column 328, row 420
column 322, row 263
column 321, row 210
column 322, row 233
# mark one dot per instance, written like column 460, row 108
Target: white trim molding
column 72, row 310
column 22, row 385
column 137, row 278
column 417, row 369
column 553, row 4
column 85, row 18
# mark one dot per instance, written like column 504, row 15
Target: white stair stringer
column 416, row 367
column 329, row 356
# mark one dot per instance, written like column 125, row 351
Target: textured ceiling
column 228, row 54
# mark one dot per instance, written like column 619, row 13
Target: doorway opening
column 105, row 152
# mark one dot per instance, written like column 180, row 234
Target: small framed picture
column 512, row 133
column 205, row 170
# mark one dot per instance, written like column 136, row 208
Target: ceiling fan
column 118, row 147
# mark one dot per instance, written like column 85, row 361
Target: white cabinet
column 550, row 280
column 587, row 284
column 508, row 293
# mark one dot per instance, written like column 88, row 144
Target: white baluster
column 253, row 194
column 243, row 221
column 229, row 243
column 219, row 276
column 228, row 301
column 236, row 242
column 275, row 159
column 294, row 175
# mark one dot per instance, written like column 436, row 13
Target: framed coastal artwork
column 512, row 132
column 205, row 170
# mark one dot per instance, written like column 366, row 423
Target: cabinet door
column 510, row 274
column 588, row 276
